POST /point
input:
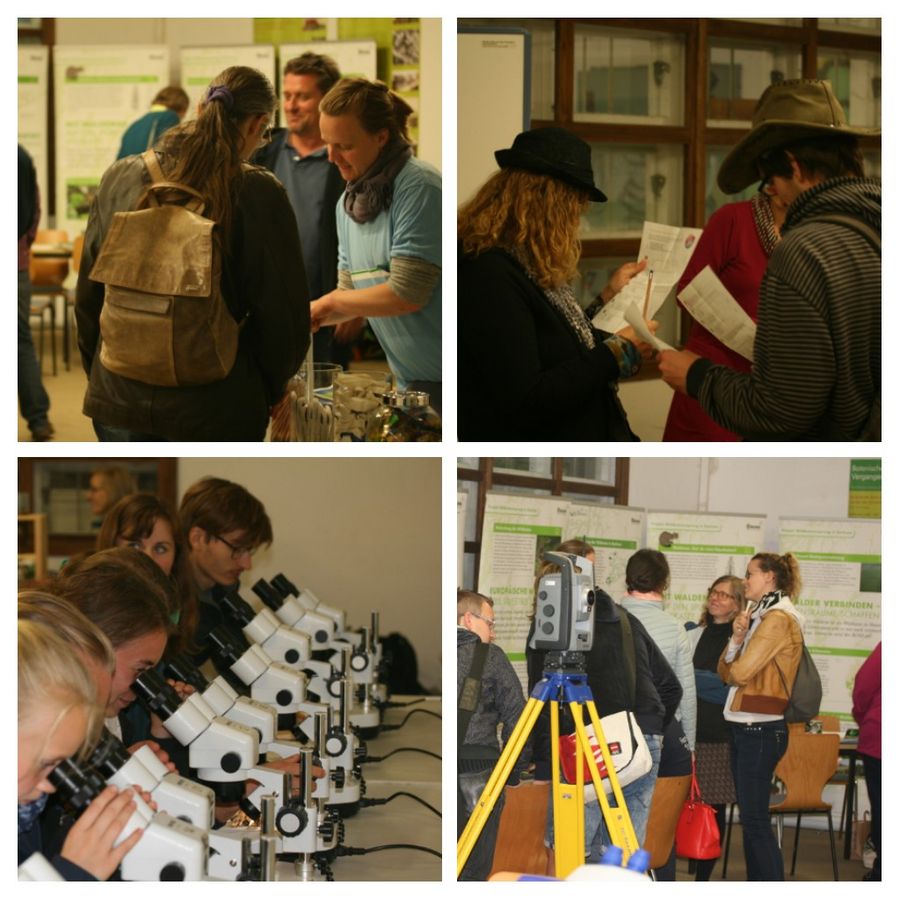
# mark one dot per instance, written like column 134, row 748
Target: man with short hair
column 222, row 526
column 493, row 697
column 817, row 355
column 168, row 109
column 299, row 158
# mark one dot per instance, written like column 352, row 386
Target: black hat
column 554, row 152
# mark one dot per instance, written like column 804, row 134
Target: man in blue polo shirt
column 299, row 158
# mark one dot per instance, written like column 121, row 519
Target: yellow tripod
column 564, row 680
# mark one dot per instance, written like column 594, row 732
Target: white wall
column 177, row 33
column 775, row 487
column 363, row 534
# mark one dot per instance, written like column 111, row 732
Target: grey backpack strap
column 628, row 648
column 470, row 694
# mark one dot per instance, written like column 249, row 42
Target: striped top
column 817, row 355
column 669, row 635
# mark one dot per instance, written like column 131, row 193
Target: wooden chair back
column 77, row 247
column 520, row 840
column 48, row 272
column 806, row 767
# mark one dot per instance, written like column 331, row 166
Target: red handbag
column 697, row 834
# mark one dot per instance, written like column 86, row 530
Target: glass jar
column 405, row 416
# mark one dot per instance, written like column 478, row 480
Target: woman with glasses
column 712, row 751
column 262, row 277
column 736, row 244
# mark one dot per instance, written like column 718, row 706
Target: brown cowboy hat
column 789, row 110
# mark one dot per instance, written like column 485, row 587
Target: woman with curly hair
column 531, row 365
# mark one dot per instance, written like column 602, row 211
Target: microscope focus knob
column 334, row 685
column 360, row 753
column 172, row 871
column 230, row 763
column 359, row 661
column 326, row 831
column 291, row 819
column 338, row 777
column 335, row 743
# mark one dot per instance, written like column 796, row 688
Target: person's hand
column 674, row 365
column 621, row 277
column 647, row 351
column 161, row 754
column 347, row 332
column 182, row 688
column 89, row 843
column 739, row 628
column 321, row 312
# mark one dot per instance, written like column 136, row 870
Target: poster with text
column 461, row 500
column 701, row 547
column 615, row 532
column 100, row 91
column 517, row 530
column 840, row 598
column 32, row 113
column 199, row 65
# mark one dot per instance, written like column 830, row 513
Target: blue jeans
column 637, row 796
column 33, row 400
column 754, row 755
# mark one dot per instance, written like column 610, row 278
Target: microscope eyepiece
column 156, row 694
column 227, row 643
column 268, row 594
column 76, row 786
column 109, row 755
column 285, row 586
column 182, row 669
column 237, row 607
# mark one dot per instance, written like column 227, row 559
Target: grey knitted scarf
column 366, row 196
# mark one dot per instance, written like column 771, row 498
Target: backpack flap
column 133, row 255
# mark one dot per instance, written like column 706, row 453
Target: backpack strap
column 628, row 647
column 160, row 186
column 470, row 695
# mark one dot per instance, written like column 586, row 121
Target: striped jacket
column 817, row 355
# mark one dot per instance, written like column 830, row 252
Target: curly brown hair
column 533, row 212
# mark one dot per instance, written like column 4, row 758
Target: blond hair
column 52, row 676
column 535, row 213
column 74, row 626
column 471, row 602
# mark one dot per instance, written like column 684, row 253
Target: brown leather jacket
column 766, row 666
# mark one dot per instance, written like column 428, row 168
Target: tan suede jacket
column 766, row 666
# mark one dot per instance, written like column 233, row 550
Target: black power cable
column 380, row 801
column 362, row 851
column 402, row 750
column 424, row 712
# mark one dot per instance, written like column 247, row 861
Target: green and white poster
column 199, row 65
column 32, row 112
column 701, row 547
column 865, row 489
column 518, row 529
column 100, row 91
column 840, row 597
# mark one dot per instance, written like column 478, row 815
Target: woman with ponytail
column 263, row 281
column 389, row 232
column 760, row 664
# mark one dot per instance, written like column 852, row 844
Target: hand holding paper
column 634, row 318
column 674, row 365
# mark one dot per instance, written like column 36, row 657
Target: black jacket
column 523, row 373
column 334, row 187
column 262, row 274
column 32, row 841
column 657, row 689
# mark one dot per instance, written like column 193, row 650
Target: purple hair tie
column 220, row 92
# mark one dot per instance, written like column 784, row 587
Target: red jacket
column 867, row 704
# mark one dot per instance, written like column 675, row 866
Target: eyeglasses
column 266, row 136
column 715, row 594
column 236, row 552
column 490, row 622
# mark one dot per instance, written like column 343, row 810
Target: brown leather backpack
column 164, row 320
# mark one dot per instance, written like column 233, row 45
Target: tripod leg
column 568, row 806
column 617, row 818
column 496, row 782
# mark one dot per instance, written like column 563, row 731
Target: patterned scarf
column 764, row 222
column 562, row 299
column 366, row 196
column 28, row 813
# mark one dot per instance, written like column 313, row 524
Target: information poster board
column 865, row 489
column 100, row 91
column 701, row 547
column 518, row 529
column 199, row 65
column 34, row 63
column 840, row 597
column 461, row 501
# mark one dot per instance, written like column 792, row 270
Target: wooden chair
column 523, row 822
column 806, row 767
column 47, row 277
column 669, row 795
